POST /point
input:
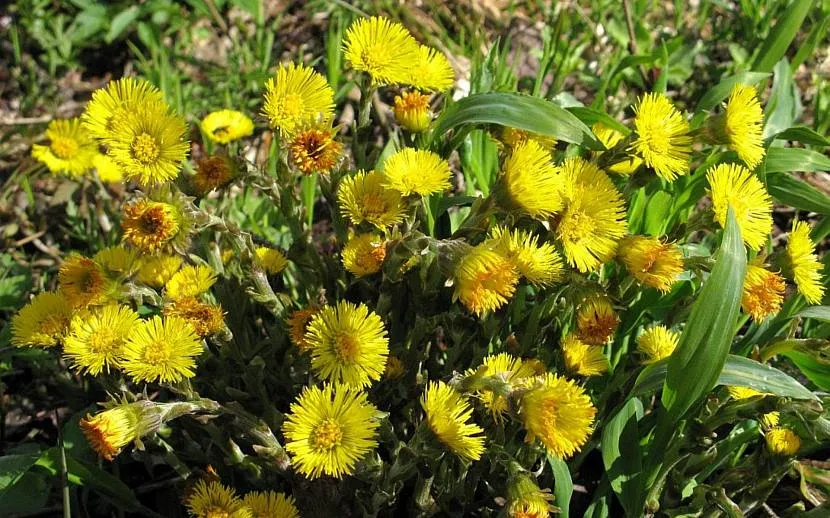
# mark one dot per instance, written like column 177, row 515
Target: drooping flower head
column 383, row 49
column 314, row 150
column 531, row 182
column 540, row 264
column 513, row 371
column 43, row 322
column 212, row 173
column 412, row 111
column 416, row 171
column 190, row 281
column 663, row 140
column 763, row 292
column 271, row 260
column 657, row 342
column 297, row 323
column 364, row 254
column 111, row 430
column 363, row 197
column 295, row 97
column 71, row 150
column 329, row 430
column 225, row 126
column 804, row 264
column 484, row 279
column 108, row 170
column 652, row 261
column 211, row 499
column 161, row 349
column 157, row 270
column 525, row 499
column 610, row 138
column 150, row 225
column 95, row 342
column 741, row 125
column 431, row 71
column 206, row 319
column 782, row 441
column 582, row 358
column 734, row 185
column 449, row 417
column 270, row 504
column 83, row 282
column 112, row 103
column 596, row 320
column 348, row 344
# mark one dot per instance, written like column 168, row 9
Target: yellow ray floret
column 652, row 261
column 782, row 441
column 109, row 431
column 804, row 264
column 742, row 125
column 364, row 254
column 190, row 281
column 484, row 279
column 225, row 126
column 531, row 182
column 118, row 260
column 96, row 339
column 297, row 323
column 526, row 499
column 149, row 225
column 162, row 349
column 512, row 371
column 763, row 292
column 449, row 415
column 416, row 171
column 663, row 140
column 110, row 104
column 271, row 260
column 108, row 170
column 295, row 97
column 209, row 499
column 83, row 282
column 383, row 49
column 363, row 197
column 540, row 264
column 314, row 150
column 270, row 504
column 657, row 343
column 71, row 150
column 157, row 270
column 431, row 70
column 734, row 185
column 610, row 138
column 412, row 111
column 206, row 319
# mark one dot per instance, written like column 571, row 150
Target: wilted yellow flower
column 431, row 70
column 657, row 342
column 83, row 282
column 363, row 197
column 348, row 344
column 269, row 504
column 329, row 430
column 271, row 260
column 596, row 320
column 225, row 126
column 416, row 171
column 484, row 279
column 559, row 413
column 71, row 150
column 109, row 431
column 513, row 371
column 382, row 48
column 150, row 225
column 782, row 441
column 295, row 97
column 314, row 150
column 448, row 416
column 734, row 185
column 211, row 499
column 540, row 264
column 42, row 322
column 582, row 358
column 394, row 368
column 161, row 349
column 156, row 271
column 190, row 281
column 526, row 500
column 663, row 139
column 206, row 319
column 652, row 261
column 118, row 260
column 741, row 125
column 298, row 326
column 804, row 264
column 96, row 339
column 593, row 220
column 763, row 292
column 108, row 171
column 412, row 111
column 364, row 254
column 212, row 173
column 513, row 137
column 531, row 182
column 610, row 138
column 112, row 103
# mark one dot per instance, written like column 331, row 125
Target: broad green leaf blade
column 804, row 135
column 815, row 366
column 788, row 159
column 563, row 486
column 13, row 467
column 791, row 191
column 515, row 111
column 621, row 455
column 818, row 312
column 694, row 367
column 781, row 35
column 721, row 91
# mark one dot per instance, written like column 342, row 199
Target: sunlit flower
column 314, row 150
column 782, row 441
column 540, row 264
column 161, row 349
column 270, row 504
column 109, row 431
column 112, row 103
column 513, row 137
column 741, row 125
column 416, row 171
column 70, row 151
column 206, row 319
column 295, row 97
column 657, row 342
column 118, row 260
column 652, row 261
column 734, row 185
column 804, row 264
column 211, row 499
column 596, row 320
column 271, row 260
column 364, row 254
column 329, row 430
column 412, row 111
column 513, row 371
column 484, row 279
column 150, row 225
column 42, row 322
column 663, row 139
column 742, row 392
column 582, row 358
column 225, row 126
column 108, row 170
column 559, row 413
column 298, row 326
column 382, row 48
column 763, row 292
column 530, row 181
column 431, row 70
column 157, row 270
column 83, row 282
column 348, row 344
column 190, row 281
column 96, row 339
column 526, row 500
column 610, row 138
column 363, row 197
column 212, row 173
column 449, row 417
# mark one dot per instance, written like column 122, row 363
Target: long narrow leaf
column 563, row 486
column 622, row 456
column 787, row 159
column 791, row 191
column 781, row 35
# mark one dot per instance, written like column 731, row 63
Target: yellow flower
column 190, row 281
column 329, row 430
column 582, row 358
column 804, row 264
column 83, row 282
column 42, row 322
column 431, row 70
column 763, row 292
column 108, row 171
column 383, row 49
column 149, row 144
column 735, row 185
column 298, row 326
column 212, row 173
column 596, row 320
column 211, row 499
column 70, row 151
column 449, row 417
column 363, row 197
column 394, row 368
column 657, row 342
column 416, row 171
column 782, row 441
column 743, row 392
column 364, row 254
column 663, row 140
column 526, row 500
column 112, row 103
column 156, row 271
column 269, row 504
column 150, row 225
column 513, row 371
column 484, row 279
column 96, row 339
column 513, row 137
column 206, row 319
column 412, row 111
column 530, row 181
column 770, row 420
column 652, row 261
column 741, row 125
column 593, row 220
column 348, row 344
column 295, row 97
column 559, row 413
column 109, row 431
column 540, row 264
column 161, row 349
column 271, row 260
column 315, row 150
column 610, row 138
column 225, row 126
column 118, row 260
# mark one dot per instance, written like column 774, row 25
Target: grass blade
column 781, row 35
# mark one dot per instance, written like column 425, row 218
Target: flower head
column 448, row 416
column 530, row 180
column 96, row 339
column 71, row 150
column 118, row 260
column 416, row 171
column 734, row 185
column 295, row 97
column 540, row 264
column 109, row 431
column 657, row 342
column 742, row 392
column 161, row 349
column 329, row 430
column 225, row 126
column 42, row 322
column 212, row 173
column 298, row 326
column 190, row 281
column 412, row 111
column 211, row 499
column 206, row 319
column 582, row 358
column 663, row 140
column 271, row 260
column 513, row 137
column 763, row 292
column 559, row 413
column 596, row 320
column 513, row 371
column 383, row 49
column 83, row 282
column 610, row 138
column 348, row 344
column 363, row 197
column 314, row 150
column 782, row 441
column 431, row 70
column 804, row 264
column 150, row 225
column 741, row 125
column 270, row 504
column 112, row 103
column 526, row 499
column 484, row 279
column 364, row 254
column 651, row 261
column 157, row 270
column 108, row 170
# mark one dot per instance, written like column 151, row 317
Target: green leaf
column 590, row 116
column 789, row 159
column 804, row 135
column 563, row 486
column 13, row 467
column 781, row 35
column 715, row 95
column 812, row 365
column 516, row 111
column 27, row 496
column 695, row 365
column 818, row 312
column 121, row 21
column 791, row 191
column 622, row 456
column 784, row 102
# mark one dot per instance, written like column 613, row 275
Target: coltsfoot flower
column 271, row 260
column 83, row 282
column 225, row 126
column 213, row 172
column 71, row 150
column 381, row 48
column 364, row 254
column 539, row 263
column 663, row 140
column 596, row 320
column 117, row 260
column 363, row 198
column 43, row 322
column 449, row 418
column 657, row 342
column 112, row 103
column 431, row 71
column 804, row 264
column 734, row 185
column 206, row 319
column 295, row 97
column 96, row 339
column 412, row 111
column 652, row 261
column 416, row 171
column 610, row 138
column 150, row 225
column 210, row 499
column 109, row 431
column 782, row 441
column 526, row 500
column 741, row 125
column 314, row 150
column 531, row 183
column 108, row 170
column 157, row 270
column 190, row 281
column 582, row 358
column 161, row 349
column 270, row 504
column 297, row 324
column 763, row 292
column 513, row 371
column 484, row 279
